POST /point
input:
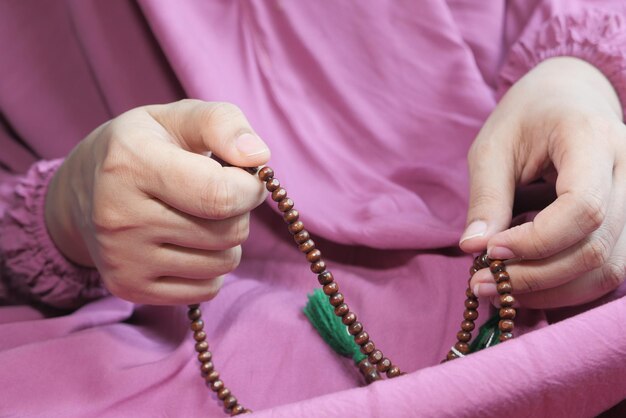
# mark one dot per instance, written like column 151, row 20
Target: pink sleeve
column 594, row 31
column 31, row 267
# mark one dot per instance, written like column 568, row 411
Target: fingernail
column 500, row 253
column 474, row 230
column 250, row 144
column 485, row 290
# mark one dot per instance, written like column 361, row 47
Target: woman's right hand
column 140, row 200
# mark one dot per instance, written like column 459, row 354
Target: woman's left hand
column 562, row 121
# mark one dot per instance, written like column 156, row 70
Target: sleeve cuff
column 32, row 267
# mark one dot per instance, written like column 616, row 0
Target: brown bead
column 325, row 277
column 467, row 326
column 470, row 314
column 506, row 325
column 348, row 318
column 473, row 270
column 336, row 299
column 223, row 393
column 266, row 173
column 207, row 367
column 507, row 313
column 313, row 256
column 331, row 288
column 469, row 294
column 375, row 356
column 285, row 205
column 216, row 385
column 504, row 287
column 506, row 301
column 368, row 347
column 307, row 246
column 355, row 328
column 393, row 371
column 463, row 336
column 205, row 356
column 342, row 309
column 451, row 356
column 361, row 338
column 496, row 266
column 372, row 376
column 485, row 261
column 462, row 347
column 505, row 336
column 202, row 346
column 212, row 376
column 199, row 336
column 296, row 227
column 272, row 185
column 501, row 276
column 364, row 365
column 194, row 314
column 383, row 365
column 471, row 303
column 197, row 325
column 279, row 194
column 318, row 266
column 301, row 237
column 237, row 410
column 230, row 402
column 291, row 216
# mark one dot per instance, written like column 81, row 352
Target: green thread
column 488, row 335
column 322, row 316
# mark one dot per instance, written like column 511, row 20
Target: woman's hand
column 140, row 200
column 562, row 121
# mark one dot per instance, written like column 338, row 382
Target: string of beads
column 376, row 363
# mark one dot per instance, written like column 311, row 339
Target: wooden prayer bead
column 318, row 266
column 361, row 338
column 285, row 205
column 470, row 294
column 331, row 288
column 462, row 347
column 451, row 356
column 506, row 325
column 507, row 313
column 197, row 325
column 202, row 346
column 230, row 401
column 463, row 336
column 307, row 246
column 383, row 365
column 501, row 276
column 291, row 216
column 223, row 393
column 212, row 376
column 302, row 237
column 473, row 270
column 342, row 309
column 364, row 365
column 467, row 326
column 336, row 299
column 496, row 266
column 325, row 277
column 375, row 357
column 313, row 256
column 368, row 347
column 279, row 194
column 506, row 301
column 204, row 356
column 355, row 328
column 504, row 287
column 470, row 314
column 237, row 409
column 348, row 318
column 471, row 303
column 199, row 336
column 272, row 185
column 393, row 371
column 194, row 314
column 296, row 227
column 207, row 367
column 216, row 385
column 505, row 336
column 484, row 260
column 372, row 376
column 266, row 173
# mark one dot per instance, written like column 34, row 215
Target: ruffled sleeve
column 31, row 267
column 595, row 33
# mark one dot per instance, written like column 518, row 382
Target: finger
column 172, row 226
column 583, row 189
column 199, row 186
column 220, row 128
column 174, row 290
column 492, row 186
column 590, row 254
column 189, row 263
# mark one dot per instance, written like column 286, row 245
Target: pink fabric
column 369, row 112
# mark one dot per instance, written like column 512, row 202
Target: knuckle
column 231, row 259
column 613, row 275
column 222, row 111
column 595, row 253
column 218, row 200
column 484, row 197
column 107, row 219
column 593, row 211
column 242, row 230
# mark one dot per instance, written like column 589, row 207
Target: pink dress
column 369, row 108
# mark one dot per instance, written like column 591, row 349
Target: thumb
column 492, row 188
column 216, row 127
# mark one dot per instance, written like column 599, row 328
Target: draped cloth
column 369, row 110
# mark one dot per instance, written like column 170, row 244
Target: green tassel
column 488, row 335
column 322, row 316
